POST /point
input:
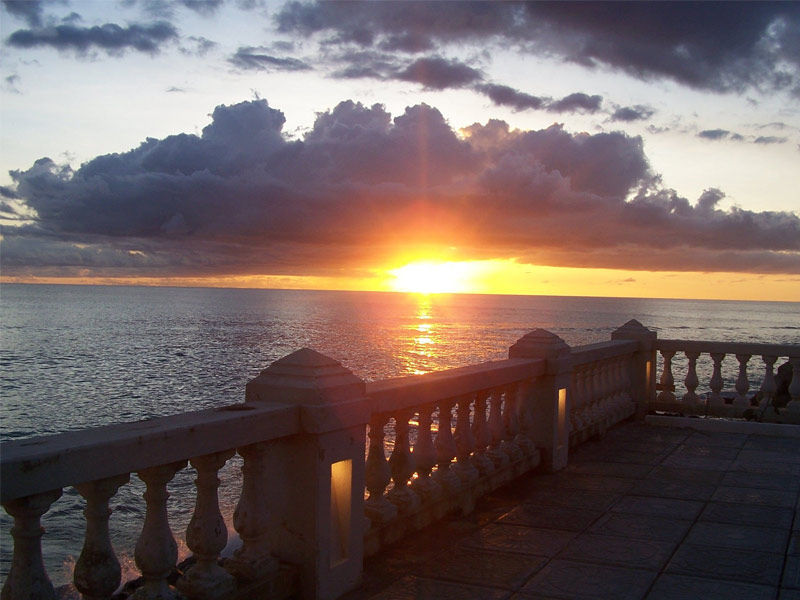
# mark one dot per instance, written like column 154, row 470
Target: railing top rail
column 588, row 353
column 728, row 347
column 39, row 464
column 406, row 392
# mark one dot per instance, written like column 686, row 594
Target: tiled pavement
column 646, row 512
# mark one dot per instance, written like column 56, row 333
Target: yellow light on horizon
column 428, row 277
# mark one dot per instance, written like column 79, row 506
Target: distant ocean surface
column 80, row 356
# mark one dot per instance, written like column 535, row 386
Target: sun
column 428, row 277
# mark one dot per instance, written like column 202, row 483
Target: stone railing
column 773, row 399
column 316, row 492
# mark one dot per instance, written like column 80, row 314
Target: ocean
column 73, row 357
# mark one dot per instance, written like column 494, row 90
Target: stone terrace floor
column 646, row 512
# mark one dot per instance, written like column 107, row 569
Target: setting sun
column 427, row 277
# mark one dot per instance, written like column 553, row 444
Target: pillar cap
column 539, row 343
column 633, row 330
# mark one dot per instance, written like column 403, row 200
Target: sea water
column 73, row 357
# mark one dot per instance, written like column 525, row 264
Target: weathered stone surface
column 759, row 496
column 681, row 587
column 514, row 538
column 419, row 588
column 670, row 508
column 750, row 566
column 623, row 552
column 495, row 569
column 725, row 535
column 644, row 527
column 748, row 514
column 577, row 580
column 554, row 517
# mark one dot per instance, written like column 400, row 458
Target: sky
column 620, row 149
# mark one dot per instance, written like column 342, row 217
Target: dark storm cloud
column 715, row 46
column 241, row 198
column 770, row 139
column 628, row 114
column 439, row 73
column 503, row 95
column 255, row 58
column 28, row 10
column 577, row 102
column 714, row 134
column 109, row 37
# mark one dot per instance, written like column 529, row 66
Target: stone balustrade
column 333, row 468
column 729, row 387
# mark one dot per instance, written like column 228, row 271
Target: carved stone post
column 794, row 386
column 691, row 400
column 549, row 394
column 667, row 381
column 97, row 572
column 402, row 465
column 446, row 449
column 378, row 474
column 480, row 433
column 642, row 365
column 316, row 478
column 715, row 384
column 425, row 457
column 768, row 386
column 27, row 578
column 207, row 534
column 156, row 551
column 742, row 384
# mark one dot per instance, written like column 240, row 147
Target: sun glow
column 427, row 277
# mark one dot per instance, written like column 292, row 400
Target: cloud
column 770, row 139
column 110, row 37
column 721, row 47
column 197, row 46
column 577, row 102
column 714, row 134
column 10, row 84
column 362, row 186
column 439, row 73
column 255, row 59
column 28, row 10
column 503, row 95
column 632, row 113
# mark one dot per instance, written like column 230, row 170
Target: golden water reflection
column 424, row 338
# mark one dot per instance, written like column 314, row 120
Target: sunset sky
column 641, row 149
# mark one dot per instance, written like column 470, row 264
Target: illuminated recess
column 341, row 492
column 562, row 413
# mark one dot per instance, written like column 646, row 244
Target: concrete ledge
column 726, row 426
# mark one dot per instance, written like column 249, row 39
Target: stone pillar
column 316, row 478
column 643, row 365
column 549, row 395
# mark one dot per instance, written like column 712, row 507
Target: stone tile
column 717, row 439
column 627, row 455
column 513, row 538
column 705, row 476
column 664, row 488
column 552, row 517
column 591, row 499
column 748, row 514
column 791, row 573
column 610, row 468
column 759, row 466
column 766, row 456
column 787, row 594
column 596, row 482
column 773, row 444
column 750, row 566
column 794, row 544
column 746, row 537
column 643, row 527
column 706, row 450
column 670, row 508
column 686, row 461
column 760, row 496
column 418, row 588
column 683, row 587
column 578, row 581
column 773, row 481
column 620, row 551
column 494, row 569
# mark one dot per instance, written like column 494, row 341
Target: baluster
column 27, row 579
column 511, row 422
column 715, row 384
column 425, row 457
column 768, row 386
column 604, row 406
column 401, row 463
column 480, row 433
column 742, row 384
column 377, row 474
column 465, row 443
column 577, row 413
column 667, row 380
column 97, row 572
column 525, row 404
column 156, row 551
column 207, row 533
column 597, row 394
column 251, row 517
column 690, row 400
column 498, row 456
column 794, row 386
column 446, row 449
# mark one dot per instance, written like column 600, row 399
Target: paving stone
column 791, row 573
column 706, row 476
column 794, row 544
column 787, row 594
column 671, row 508
column 610, row 468
column 418, row 588
column 767, row 456
column 494, row 569
column 773, row 444
column 773, row 481
column 596, row 482
column 747, row 537
column 513, row 538
column 683, row 587
column 627, row 455
column 591, row 499
column 697, row 462
column 748, row 514
column 706, row 451
column 750, row 566
column 759, row 466
column 578, row 581
column 621, row 551
column 760, row 496
column 552, row 517
column 643, row 527
column 727, row 440
column 666, row 488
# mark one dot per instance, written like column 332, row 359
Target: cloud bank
column 361, row 187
